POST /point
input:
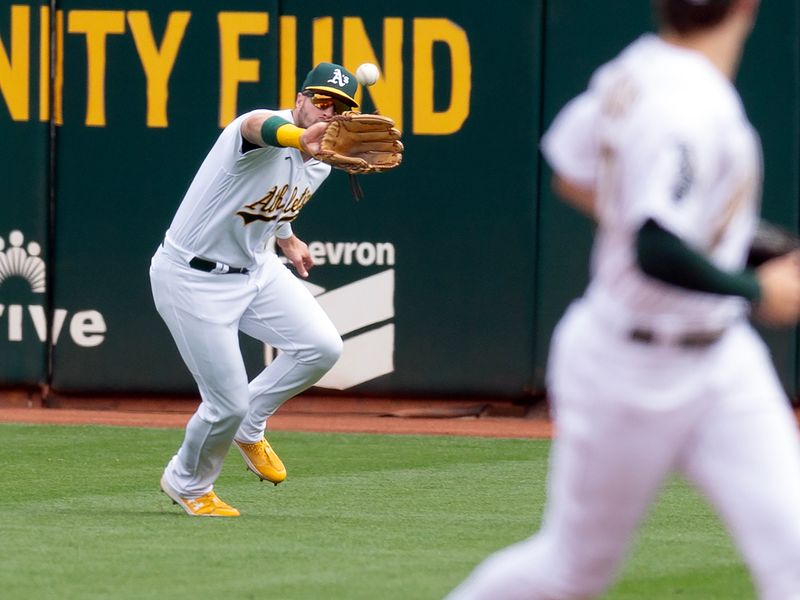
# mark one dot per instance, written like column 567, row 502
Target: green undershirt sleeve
column 665, row 257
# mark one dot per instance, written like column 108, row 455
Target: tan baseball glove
column 361, row 143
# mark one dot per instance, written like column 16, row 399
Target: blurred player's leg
column 601, row 484
column 745, row 457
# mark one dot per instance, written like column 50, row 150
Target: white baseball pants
column 204, row 312
column 627, row 415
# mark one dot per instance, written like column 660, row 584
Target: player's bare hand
column 296, row 251
column 313, row 136
column 780, row 290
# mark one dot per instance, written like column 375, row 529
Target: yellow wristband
column 289, row 135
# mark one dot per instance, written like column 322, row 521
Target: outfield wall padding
column 446, row 279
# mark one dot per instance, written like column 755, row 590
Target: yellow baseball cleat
column 262, row 460
column 207, row 505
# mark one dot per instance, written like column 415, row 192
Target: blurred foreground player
column 656, row 368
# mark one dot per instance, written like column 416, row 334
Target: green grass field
column 360, row 517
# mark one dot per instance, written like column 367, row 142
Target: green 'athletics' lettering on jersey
column 274, row 205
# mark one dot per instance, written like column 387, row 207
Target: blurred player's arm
column 577, row 196
column 773, row 288
column 570, row 148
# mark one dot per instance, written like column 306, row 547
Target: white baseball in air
column 367, row 74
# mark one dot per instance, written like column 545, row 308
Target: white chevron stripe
column 365, row 357
column 361, row 303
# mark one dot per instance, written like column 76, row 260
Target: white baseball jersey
column 237, row 200
column 661, row 134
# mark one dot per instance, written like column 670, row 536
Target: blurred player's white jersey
column 661, row 134
column 228, row 218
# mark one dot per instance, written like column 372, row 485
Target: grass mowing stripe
column 360, row 517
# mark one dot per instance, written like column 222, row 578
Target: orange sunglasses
column 322, row 102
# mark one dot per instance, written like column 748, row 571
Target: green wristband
column 269, row 130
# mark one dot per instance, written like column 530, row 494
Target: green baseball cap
column 333, row 80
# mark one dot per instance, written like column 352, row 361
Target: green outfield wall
column 24, row 199
column 446, row 279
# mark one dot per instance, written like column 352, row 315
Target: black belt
column 201, row 264
column 697, row 339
